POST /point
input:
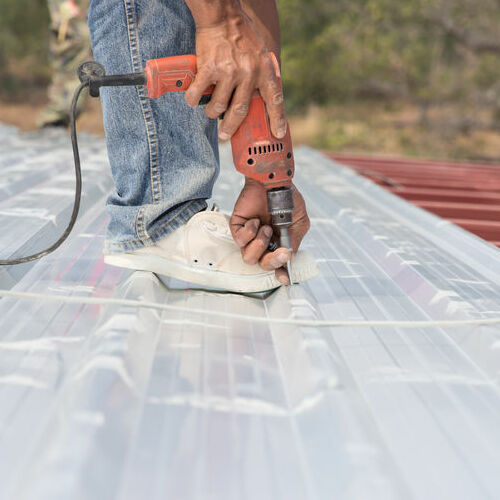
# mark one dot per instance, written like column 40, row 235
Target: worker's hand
column 232, row 56
column 251, row 229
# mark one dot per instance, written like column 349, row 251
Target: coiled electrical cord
column 78, row 188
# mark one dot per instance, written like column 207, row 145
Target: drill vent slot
column 268, row 148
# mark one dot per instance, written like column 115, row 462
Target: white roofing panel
column 125, row 402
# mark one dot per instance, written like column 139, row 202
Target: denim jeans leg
column 163, row 154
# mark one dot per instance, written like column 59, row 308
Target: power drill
column 257, row 154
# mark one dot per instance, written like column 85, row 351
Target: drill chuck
column 280, row 206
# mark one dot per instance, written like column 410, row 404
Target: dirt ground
column 24, row 114
column 354, row 128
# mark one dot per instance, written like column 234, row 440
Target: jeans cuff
column 166, row 227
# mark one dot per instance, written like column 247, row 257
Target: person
column 164, row 152
column 69, row 46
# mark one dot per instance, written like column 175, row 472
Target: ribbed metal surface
column 115, row 402
column 467, row 194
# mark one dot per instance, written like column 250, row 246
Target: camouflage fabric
column 69, row 47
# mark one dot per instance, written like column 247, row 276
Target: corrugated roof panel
column 450, row 190
column 125, row 402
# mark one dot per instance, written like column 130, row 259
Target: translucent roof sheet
column 125, row 402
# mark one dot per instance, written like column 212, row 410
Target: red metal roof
column 467, row 194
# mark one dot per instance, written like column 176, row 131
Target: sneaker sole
column 213, row 279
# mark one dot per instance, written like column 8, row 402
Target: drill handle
column 176, row 73
column 171, row 74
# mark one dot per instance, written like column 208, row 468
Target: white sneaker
column 203, row 252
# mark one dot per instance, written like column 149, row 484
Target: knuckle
column 249, row 69
column 225, row 133
column 240, row 240
column 243, row 235
column 219, row 107
column 211, row 113
column 246, row 76
column 277, row 98
column 262, row 240
column 241, row 109
column 207, row 70
column 274, row 264
column 230, row 130
column 228, row 69
column 265, row 58
column 262, row 245
column 252, row 228
column 248, row 259
column 281, row 123
column 251, row 234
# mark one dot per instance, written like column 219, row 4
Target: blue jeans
column 163, row 154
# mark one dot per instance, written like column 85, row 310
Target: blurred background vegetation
column 412, row 77
column 23, row 46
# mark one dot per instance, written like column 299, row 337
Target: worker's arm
column 264, row 15
column 232, row 45
column 233, row 40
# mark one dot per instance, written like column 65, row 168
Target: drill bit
column 285, row 243
column 289, row 269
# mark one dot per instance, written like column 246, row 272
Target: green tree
column 426, row 51
column 23, row 43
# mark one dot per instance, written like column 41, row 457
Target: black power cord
column 78, row 188
column 93, row 76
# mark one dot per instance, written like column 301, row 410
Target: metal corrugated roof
column 110, row 401
column 467, row 194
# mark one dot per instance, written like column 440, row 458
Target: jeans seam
column 140, row 228
column 169, row 221
column 151, row 132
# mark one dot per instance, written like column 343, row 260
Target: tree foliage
column 23, row 42
column 426, row 51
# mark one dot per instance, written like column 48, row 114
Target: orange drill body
column 257, row 154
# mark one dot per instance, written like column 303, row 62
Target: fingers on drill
column 202, row 82
column 238, row 109
column 272, row 93
column 220, row 98
column 245, row 233
column 254, row 251
column 275, row 260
